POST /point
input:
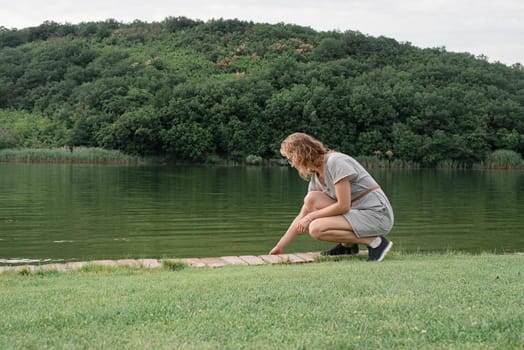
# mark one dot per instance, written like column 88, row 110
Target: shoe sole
column 348, row 254
column 353, row 252
column 385, row 252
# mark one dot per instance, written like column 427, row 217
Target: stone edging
column 295, row 258
column 249, row 260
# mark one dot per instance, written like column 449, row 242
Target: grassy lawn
column 449, row 301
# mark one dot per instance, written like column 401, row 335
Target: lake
column 68, row 212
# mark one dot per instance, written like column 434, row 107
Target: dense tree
column 194, row 90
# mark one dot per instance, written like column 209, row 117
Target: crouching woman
column 344, row 204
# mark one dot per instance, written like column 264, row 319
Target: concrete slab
column 58, row 267
column 150, row 263
column 272, row 259
column 74, row 265
column 213, row 262
column 292, row 258
column 233, row 260
column 24, row 267
column 128, row 262
column 104, row 262
column 307, row 257
column 252, row 260
column 194, row 262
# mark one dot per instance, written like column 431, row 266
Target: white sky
column 494, row 28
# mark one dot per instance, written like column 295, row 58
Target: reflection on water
column 459, row 210
column 79, row 212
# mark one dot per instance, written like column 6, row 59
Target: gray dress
column 371, row 215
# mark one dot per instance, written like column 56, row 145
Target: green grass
column 437, row 301
column 376, row 162
column 502, row 159
column 64, row 155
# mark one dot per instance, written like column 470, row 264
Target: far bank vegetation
column 229, row 90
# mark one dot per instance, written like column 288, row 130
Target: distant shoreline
column 94, row 155
column 66, row 155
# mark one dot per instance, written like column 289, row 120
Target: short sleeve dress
column 370, row 215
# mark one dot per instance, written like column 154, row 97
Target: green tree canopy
column 194, row 90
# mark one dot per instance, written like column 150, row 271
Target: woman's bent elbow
column 343, row 208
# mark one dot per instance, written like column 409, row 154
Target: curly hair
column 304, row 152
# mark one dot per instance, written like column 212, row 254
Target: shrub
column 253, row 160
column 503, row 159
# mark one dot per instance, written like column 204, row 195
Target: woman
column 344, row 204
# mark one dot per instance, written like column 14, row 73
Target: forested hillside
column 199, row 91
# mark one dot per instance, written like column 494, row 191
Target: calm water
column 51, row 212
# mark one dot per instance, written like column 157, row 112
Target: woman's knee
column 322, row 228
column 315, row 230
column 309, row 201
column 316, row 200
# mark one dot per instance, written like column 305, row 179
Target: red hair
column 304, row 151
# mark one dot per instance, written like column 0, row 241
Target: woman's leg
column 316, row 200
column 336, row 229
column 332, row 229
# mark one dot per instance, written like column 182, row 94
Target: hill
column 199, row 91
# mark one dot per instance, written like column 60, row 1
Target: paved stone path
column 252, row 260
column 295, row 258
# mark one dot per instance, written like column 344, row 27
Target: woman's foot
column 379, row 253
column 341, row 249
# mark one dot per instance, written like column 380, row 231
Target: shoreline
column 96, row 155
column 175, row 264
column 247, row 260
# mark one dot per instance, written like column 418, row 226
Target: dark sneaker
column 379, row 253
column 340, row 249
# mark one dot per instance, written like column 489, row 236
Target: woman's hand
column 276, row 250
column 303, row 224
